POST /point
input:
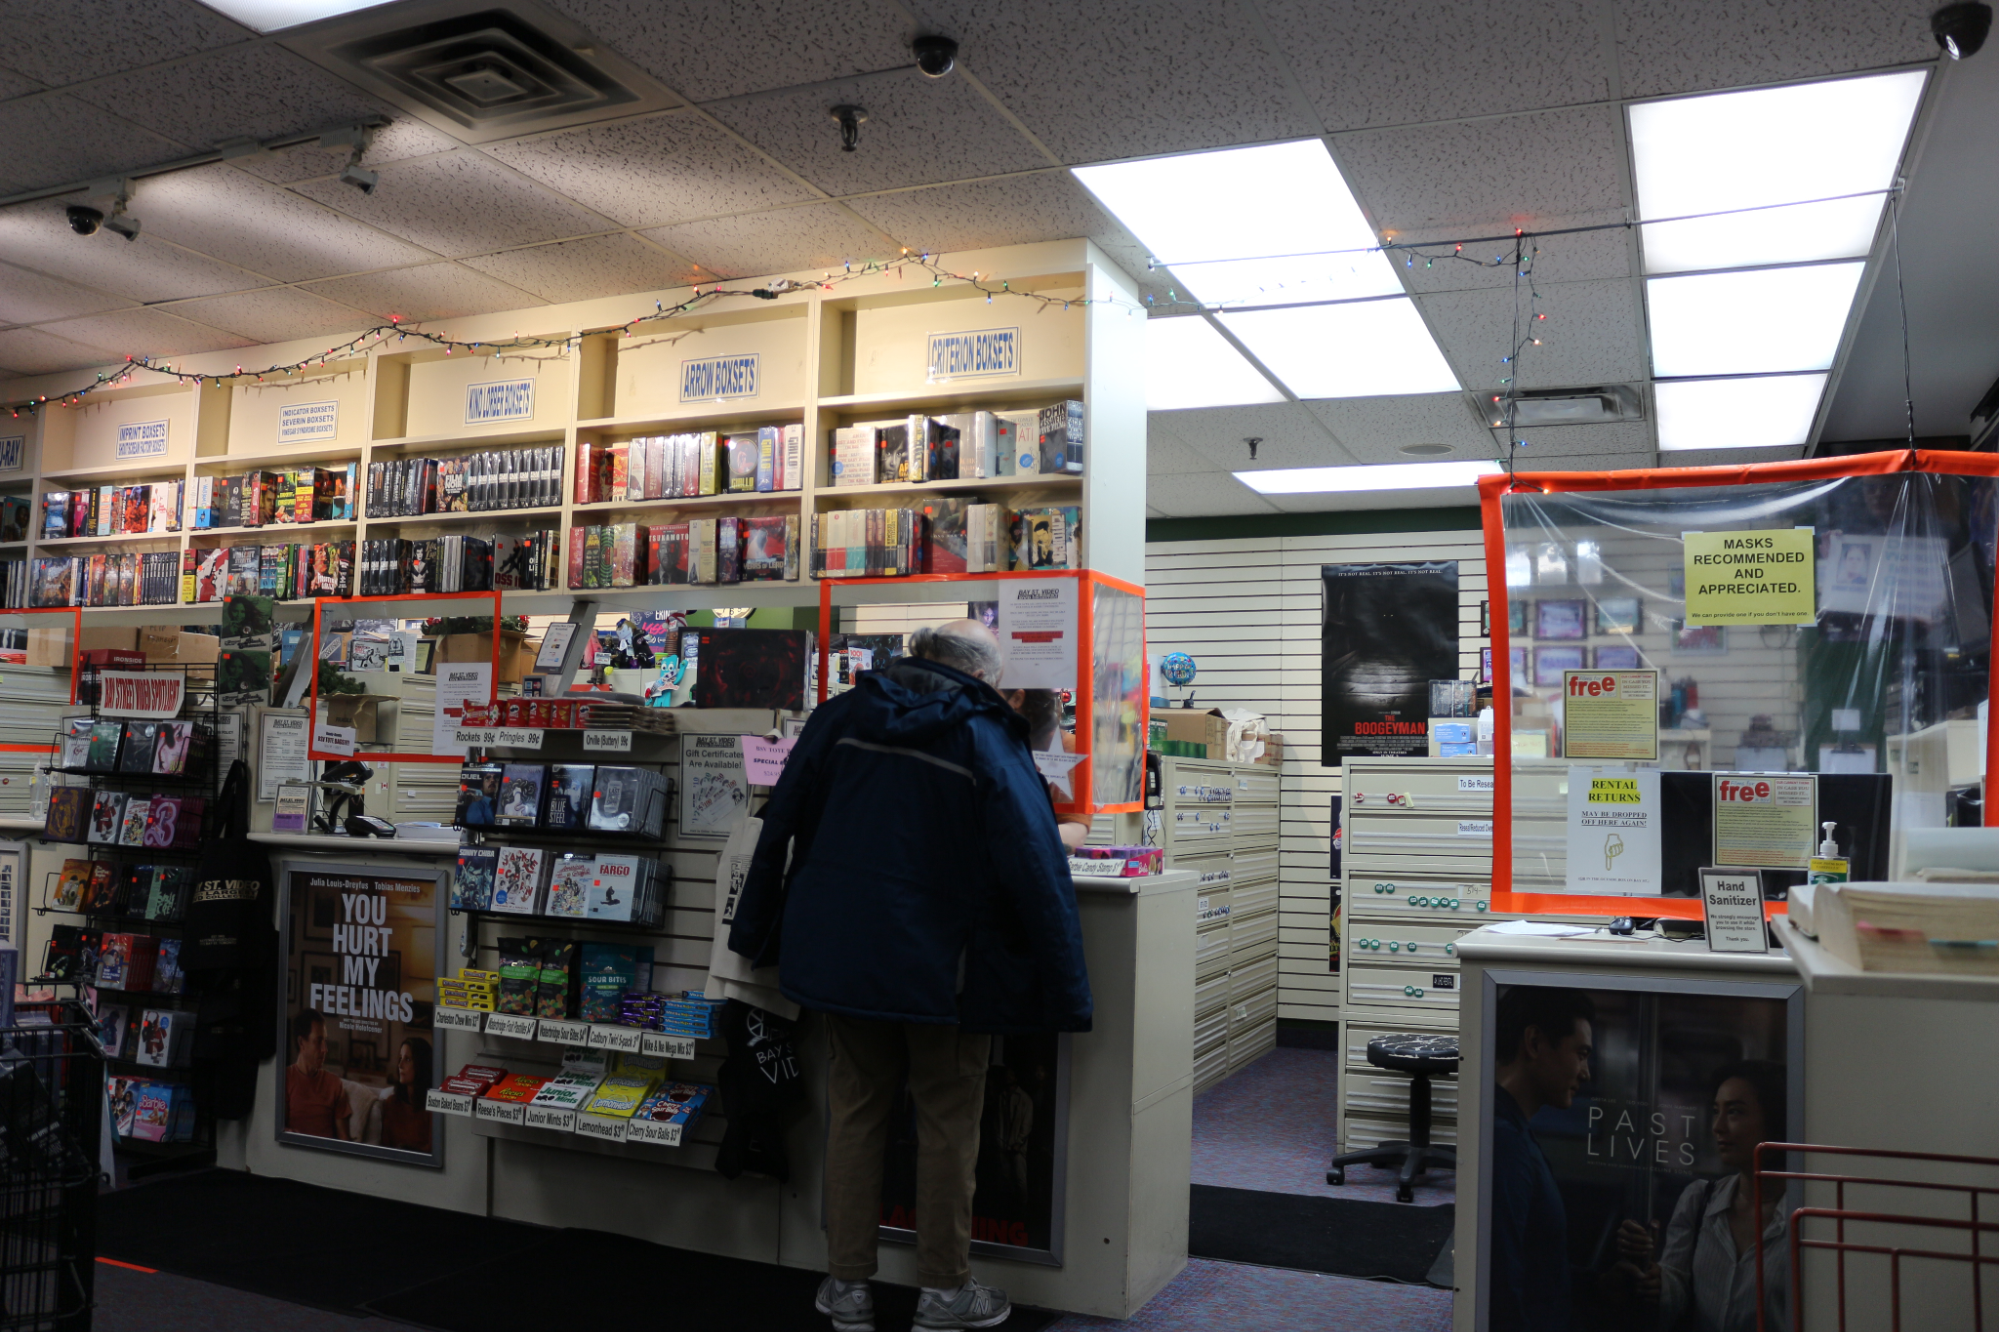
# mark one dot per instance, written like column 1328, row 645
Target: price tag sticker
column 611, row 1037
column 620, row 741
column 562, row 1119
column 673, row 1048
column 563, row 1033
column 448, row 1103
column 470, row 1020
column 602, row 1127
column 507, row 1113
column 522, row 738
column 653, row 1131
column 510, row 1025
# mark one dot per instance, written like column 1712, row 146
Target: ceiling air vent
column 1563, row 407
column 481, row 71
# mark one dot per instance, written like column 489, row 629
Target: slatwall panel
column 1248, row 610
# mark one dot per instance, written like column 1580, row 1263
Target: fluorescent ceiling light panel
column 1271, row 213
column 1751, row 321
column 272, row 15
column 1360, row 349
column 1369, row 477
column 1769, row 146
column 1757, row 413
column 1189, row 364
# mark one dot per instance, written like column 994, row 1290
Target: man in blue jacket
column 910, row 885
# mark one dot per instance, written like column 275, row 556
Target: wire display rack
column 51, row 1119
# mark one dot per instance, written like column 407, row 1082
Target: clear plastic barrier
column 1118, row 696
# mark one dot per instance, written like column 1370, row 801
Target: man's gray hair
column 964, row 644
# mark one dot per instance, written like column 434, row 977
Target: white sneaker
column 973, row 1305
column 851, row 1310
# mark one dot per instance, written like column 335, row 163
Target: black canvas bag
column 233, row 901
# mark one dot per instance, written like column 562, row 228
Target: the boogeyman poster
column 360, row 1053
column 1390, row 629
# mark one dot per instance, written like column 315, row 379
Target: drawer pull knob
column 1393, row 947
column 1419, row 992
column 1482, row 905
column 1408, row 990
column 1411, row 946
column 1412, row 900
column 1450, row 948
column 1454, row 904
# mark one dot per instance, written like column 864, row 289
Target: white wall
column 1249, row 610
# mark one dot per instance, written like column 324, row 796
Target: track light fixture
column 851, row 119
column 1961, row 28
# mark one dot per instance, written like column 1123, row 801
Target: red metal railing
column 1840, row 1215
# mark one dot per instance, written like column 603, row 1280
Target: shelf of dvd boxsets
column 140, row 784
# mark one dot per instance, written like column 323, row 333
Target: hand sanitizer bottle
column 1828, row 867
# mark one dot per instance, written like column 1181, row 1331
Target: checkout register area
column 1629, row 1039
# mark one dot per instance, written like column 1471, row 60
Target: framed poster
column 1388, row 631
column 1633, row 1146
column 1617, row 615
column 1615, row 658
column 1561, row 619
column 1550, row 663
column 364, row 945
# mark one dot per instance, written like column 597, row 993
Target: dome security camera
column 1961, row 28
column 83, row 219
column 935, row 56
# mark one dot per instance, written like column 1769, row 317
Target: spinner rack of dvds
column 123, row 906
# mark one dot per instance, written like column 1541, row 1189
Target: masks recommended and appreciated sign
column 1610, row 714
column 363, row 947
column 1389, row 630
column 1613, row 831
column 1768, row 577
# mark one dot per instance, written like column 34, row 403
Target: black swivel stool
column 1422, row 1056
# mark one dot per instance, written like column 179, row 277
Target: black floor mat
column 329, row 1248
column 1350, row 1237
column 703, row 1291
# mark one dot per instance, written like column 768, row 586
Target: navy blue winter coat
column 920, row 837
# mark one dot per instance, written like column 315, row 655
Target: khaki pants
column 946, row 1073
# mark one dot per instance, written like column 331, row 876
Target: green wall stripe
column 1454, row 518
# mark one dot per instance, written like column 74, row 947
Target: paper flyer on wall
column 1037, row 633
column 1613, row 831
column 458, row 683
column 714, row 789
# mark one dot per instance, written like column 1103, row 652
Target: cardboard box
column 165, row 643
column 104, row 636
column 49, row 647
column 359, row 711
column 1198, row 727
column 1273, row 751
column 515, row 659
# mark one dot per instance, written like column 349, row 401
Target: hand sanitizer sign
column 1613, row 831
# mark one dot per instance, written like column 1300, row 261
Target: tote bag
column 229, row 910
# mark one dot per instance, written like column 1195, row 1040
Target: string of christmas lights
column 401, row 331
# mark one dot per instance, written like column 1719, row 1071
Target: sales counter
column 1113, row 1199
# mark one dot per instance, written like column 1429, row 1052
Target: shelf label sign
column 673, row 1048
column 499, row 400
column 973, row 354
column 301, row 422
column 155, row 694
column 142, row 439
column 1767, row 577
column 713, row 378
column 13, row 453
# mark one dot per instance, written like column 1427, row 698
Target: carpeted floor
column 1211, row 1295
column 135, row 1300
column 1350, row 1237
column 1275, row 1127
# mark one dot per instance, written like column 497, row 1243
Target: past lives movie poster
column 360, row 1053
column 1390, row 629
column 1018, row 1191
column 1617, row 1168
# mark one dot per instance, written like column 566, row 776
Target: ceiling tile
column 396, row 141
column 55, row 140
column 461, row 204
column 1290, row 435
column 661, row 169
column 1730, row 457
column 148, row 269
column 580, row 270
column 1444, row 65
column 136, row 333
column 1610, row 445
column 428, row 292
column 253, row 92
column 1124, row 78
column 223, row 212
column 1375, row 429
column 26, row 298
column 33, row 352
column 781, row 241
column 1165, row 453
column 1501, row 173
column 1577, row 256
column 760, row 44
column 16, row 85
column 1010, row 210
column 1190, row 496
column 1590, row 336
column 1347, row 501
column 1683, row 46
column 275, row 315
column 62, row 44
column 919, row 131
